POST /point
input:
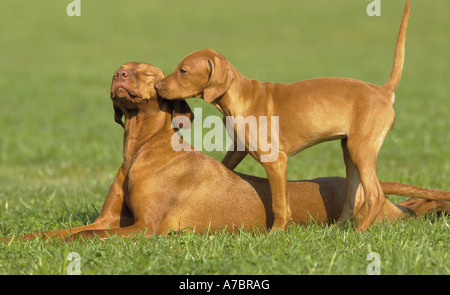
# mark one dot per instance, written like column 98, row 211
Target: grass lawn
column 60, row 148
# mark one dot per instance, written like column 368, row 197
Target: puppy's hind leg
column 355, row 192
column 369, row 200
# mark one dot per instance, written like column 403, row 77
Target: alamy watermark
column 74, row 267
column 262, row 134
column 374, row 268
column 374, row 8
column 74, row 8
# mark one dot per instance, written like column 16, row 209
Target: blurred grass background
column 60, row 148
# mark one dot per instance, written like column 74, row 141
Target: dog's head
column 204, row 73
column 133, row 84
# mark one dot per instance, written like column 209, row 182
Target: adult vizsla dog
column 311, row 111
column 158, row 189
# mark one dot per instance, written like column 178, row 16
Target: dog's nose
column 121, row 74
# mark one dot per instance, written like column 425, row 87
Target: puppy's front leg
column 233, row 158
column 234, row 155
column 276, row 173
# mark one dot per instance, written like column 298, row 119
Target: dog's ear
column 118, row 114
column 220, row 79
column 181, row 108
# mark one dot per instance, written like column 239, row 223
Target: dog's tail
column 402, row 189
column 399, row 57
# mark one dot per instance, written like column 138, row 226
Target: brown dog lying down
column 158, row 189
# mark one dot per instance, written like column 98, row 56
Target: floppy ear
column 181, row 108
column 220, row 79
column 118, row 114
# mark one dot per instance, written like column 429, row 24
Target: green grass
column 60, row 148
column 311, row 250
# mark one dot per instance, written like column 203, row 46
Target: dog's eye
column 183, row 71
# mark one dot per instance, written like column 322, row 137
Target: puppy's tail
column 399, row 57
column 401, row 189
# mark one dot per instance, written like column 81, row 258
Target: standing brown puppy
column 311, row 111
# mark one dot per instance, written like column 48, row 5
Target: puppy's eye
column 183, row 71
column 147, row 74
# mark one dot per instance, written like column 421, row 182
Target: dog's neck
column 143, row 126
column 234, row 99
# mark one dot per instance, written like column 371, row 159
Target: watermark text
column 374, row 268
column 74, row 8
column 374, row 8
column 252, row 133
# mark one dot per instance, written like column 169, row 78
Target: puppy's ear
column 181, row 108
column 118, row 114
column 220, row 78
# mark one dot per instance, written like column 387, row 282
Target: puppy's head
column 133, row 84
column 204, row 73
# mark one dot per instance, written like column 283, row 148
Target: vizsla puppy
column 311, row 111
column 158, row 190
